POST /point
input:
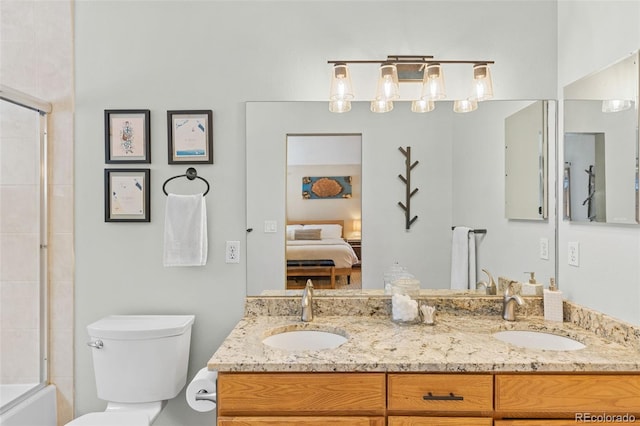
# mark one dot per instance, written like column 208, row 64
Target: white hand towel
column 463, row 258
column 185, row 230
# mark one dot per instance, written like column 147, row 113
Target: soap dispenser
column 532, row 288
column 553, row 302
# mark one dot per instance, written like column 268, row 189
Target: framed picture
column 127, row 195
column 127, row 138
column 190, row 137
column 326, row 187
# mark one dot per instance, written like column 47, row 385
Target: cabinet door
column 567, row 395
column 300, row 421
column 439, row 421
column 567, row 422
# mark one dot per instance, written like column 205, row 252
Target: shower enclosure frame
column 43, row 108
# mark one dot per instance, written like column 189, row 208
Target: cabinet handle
column 451, row 397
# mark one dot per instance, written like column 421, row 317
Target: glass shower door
column 23, row 255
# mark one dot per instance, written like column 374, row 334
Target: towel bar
column 475, row 231
column 190, row 174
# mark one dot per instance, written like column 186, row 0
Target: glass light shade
column 616, row 105
column 421, row 105
column 339, row 105
column 433, row 83
column 341, row 88
column 465, row 105
column 381, row 106
column 482, row 84
column 388, row 88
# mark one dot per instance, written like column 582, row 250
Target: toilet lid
column 129, row 418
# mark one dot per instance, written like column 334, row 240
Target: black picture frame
column 127, row 195
column 190, row 134
column 127, row 135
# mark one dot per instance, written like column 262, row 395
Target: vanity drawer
column 471, row 393
column 440, row 421
column 301, row 393
column 564, row 395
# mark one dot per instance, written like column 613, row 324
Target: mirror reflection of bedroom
column 324, row 211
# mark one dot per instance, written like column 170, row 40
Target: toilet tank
column 141, row 358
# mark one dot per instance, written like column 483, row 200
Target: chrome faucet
column 307, row 302
column 509, row 303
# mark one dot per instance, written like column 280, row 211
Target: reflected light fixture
column 616, row 105
column 398, row 69
column 381, row 105
column 340, row 105
column 421, row 105
column 465, row 105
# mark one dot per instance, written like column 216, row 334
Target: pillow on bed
column 308, row 234
column 329, row 231
column 291, row 231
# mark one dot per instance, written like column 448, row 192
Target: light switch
column 544, row 248
column 270, row 226
column 574, row 253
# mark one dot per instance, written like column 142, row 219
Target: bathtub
column 37, row 409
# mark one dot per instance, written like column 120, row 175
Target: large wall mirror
column 460, row 179
column 600, row 181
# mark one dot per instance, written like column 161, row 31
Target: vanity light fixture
column 341, row 88
column 482, row 83
column 398, row 69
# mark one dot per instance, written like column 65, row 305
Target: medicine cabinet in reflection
column 526, row 148
column 600, row 156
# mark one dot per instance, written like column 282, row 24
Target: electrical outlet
column 573, row 253
column 232, row 253
column 544, row 248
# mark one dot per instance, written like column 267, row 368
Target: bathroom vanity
column 453, row 373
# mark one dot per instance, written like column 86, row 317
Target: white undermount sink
column 304, row 340
column 538, row 340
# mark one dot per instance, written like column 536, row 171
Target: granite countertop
column 460, row 341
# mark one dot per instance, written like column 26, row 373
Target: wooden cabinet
column 566, row 422
column 566, row 395
column 301, row 421
column 440, row 393
column 440, row 421
column 421, row 399
column 301, row 398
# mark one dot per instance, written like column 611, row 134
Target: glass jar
column 394, row 272
column 404, row 301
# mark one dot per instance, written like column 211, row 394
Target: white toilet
column 140, row 362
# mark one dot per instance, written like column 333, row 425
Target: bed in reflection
column 318, row 249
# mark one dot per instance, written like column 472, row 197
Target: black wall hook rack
column 190, row 174
column 407, row 181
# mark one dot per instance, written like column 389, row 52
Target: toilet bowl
column 139, row 362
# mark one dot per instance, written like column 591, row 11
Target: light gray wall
column 217, row 55
column 591, row 36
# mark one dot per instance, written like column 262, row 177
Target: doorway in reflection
column 324, row 210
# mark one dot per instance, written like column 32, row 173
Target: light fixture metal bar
column 410, row 61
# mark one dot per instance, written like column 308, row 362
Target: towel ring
column 190, row 174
